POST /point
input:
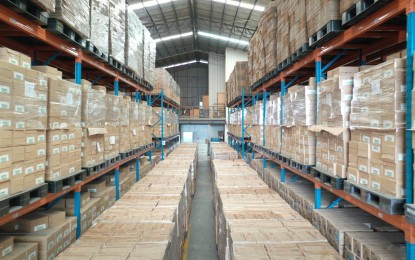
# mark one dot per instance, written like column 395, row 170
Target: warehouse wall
column 231, row 57
column 216, row 76
column 193, row 82
column 202, row 132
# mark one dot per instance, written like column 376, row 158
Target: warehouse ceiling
column 199, row 22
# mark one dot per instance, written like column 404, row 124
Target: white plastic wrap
column 75, row 14
column 134, row 43
column 117, row 30
column 93, row 107
column 300, row 106
column 48, row 5
column 99, row 24
column 149, row 57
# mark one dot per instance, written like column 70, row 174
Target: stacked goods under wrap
column 134, row 43
column 264, row 225
column 134, row 126
column 124, row 134
column 298, row 142
column 333, row 121
column 93, row 124
column 75, row 14
column 23, row 120
column 164, row 81
column 273, row 128
column 170, row 123
column 237, row 81
column 320, row 12
column 297, row 16
column 149, row 59
column 263, row 46
column 150, row 220
column 346, row 4
column 283, row 32
column 257, row 127
column 48, row 5
column 99, row 21
column 377, row 122
column 112, row 120
column 117, row 30
column 64, row 134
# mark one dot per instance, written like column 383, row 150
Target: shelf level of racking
column 365, row 43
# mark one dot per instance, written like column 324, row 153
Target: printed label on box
column 43, row 97
column 41, row 138
column 20, row 125
column 5, row 123
column 375, row 171
column 40, row 166
column 4, row 89
column 26, row 65
column 134, row 132
column 389, row 173
column 387, row 124
column 19, row 109
column 4, row 175
column 29, row 170
column 72, row 170
column 39, row 180
column 41, row 152
column 32, row 255
column 55, row 138
column 15, row 62
column 50, row 245
column 112, row 139
column 56, row 150
column 7, row 250
column 363, row 168
column 56, row 175
column 29, row 89
column 59, row 237
column 4, row 105
column 99, row 147
column 377, row 140
column 92, row 190
column 64, row 148
column 4, row 192
column 17, row 171
column 375, row 185
column 376, row 148
column 366, row 139
column 4, row 158
column 401, row 156
column 40, row 227
column 388, row 74
column 30, row 140
column 363, row 181
column 18, row 75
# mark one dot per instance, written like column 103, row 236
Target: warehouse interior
column 207, row 129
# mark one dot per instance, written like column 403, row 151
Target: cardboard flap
column 336, row 131
column 96, row 131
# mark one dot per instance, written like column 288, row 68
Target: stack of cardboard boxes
column 319, row 13
column 23, row 121
column 273, row 124
column 346, row 4
column 298, row 142
column 93, row 124
column 237, row 81
column 165, row 82
column 125, row 134
column 12, row 250
column 112, row 121
column 377, row 146
column 333, row 121
column 45, row 233
column 64, row 131
column 170, row 122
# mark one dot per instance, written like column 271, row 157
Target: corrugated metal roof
column 181, row 16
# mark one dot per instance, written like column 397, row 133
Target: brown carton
column 55, row 218
column 6, row 245
column 29, row 224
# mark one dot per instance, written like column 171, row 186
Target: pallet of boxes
column 273, row 124
column 333, row 125
column 23, row 124
column 376, row 169
column 93, row 127
column 112, row 125
column 298, row 142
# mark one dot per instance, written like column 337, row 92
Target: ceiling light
column 223, row 38
column 148, row 4
column 186, row 63
column 172, row 37
column 240, row 4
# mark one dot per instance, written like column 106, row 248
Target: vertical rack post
column 77, row 211
column 283, row 91
column 410, row 48
column 264, row 114
column 163, row 142
column 78, row 70
column 243, row 124
column 137, row 168
column 317, row 196
column 117, row 170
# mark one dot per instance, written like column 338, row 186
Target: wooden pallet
column 326, row 33
column 21, row 199
column 65, row 32
column 66, row 182
column 335, row 182
column 385, row 203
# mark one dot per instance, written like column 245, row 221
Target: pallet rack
column 353, row 46
column 28, row 36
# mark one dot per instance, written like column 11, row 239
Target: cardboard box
column 70, row 200
column 29, row 224
column 221, row 98
column 95, row 186
column 205, row 101
column 6, row 245
column 55, row 218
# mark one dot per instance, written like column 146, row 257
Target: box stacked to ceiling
column 164, row 81
column 333, row 121
column 298, row 142
column 149, row 58
column 112, row 124
column 134, row 43
column 377, row 146
column 125, row 135
column 238, row 81
column 273, row 124
column 100, row 24
column 117, row 26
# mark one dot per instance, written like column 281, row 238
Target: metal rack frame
column 337, row 52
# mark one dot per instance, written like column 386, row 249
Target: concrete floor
column 202, row 239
